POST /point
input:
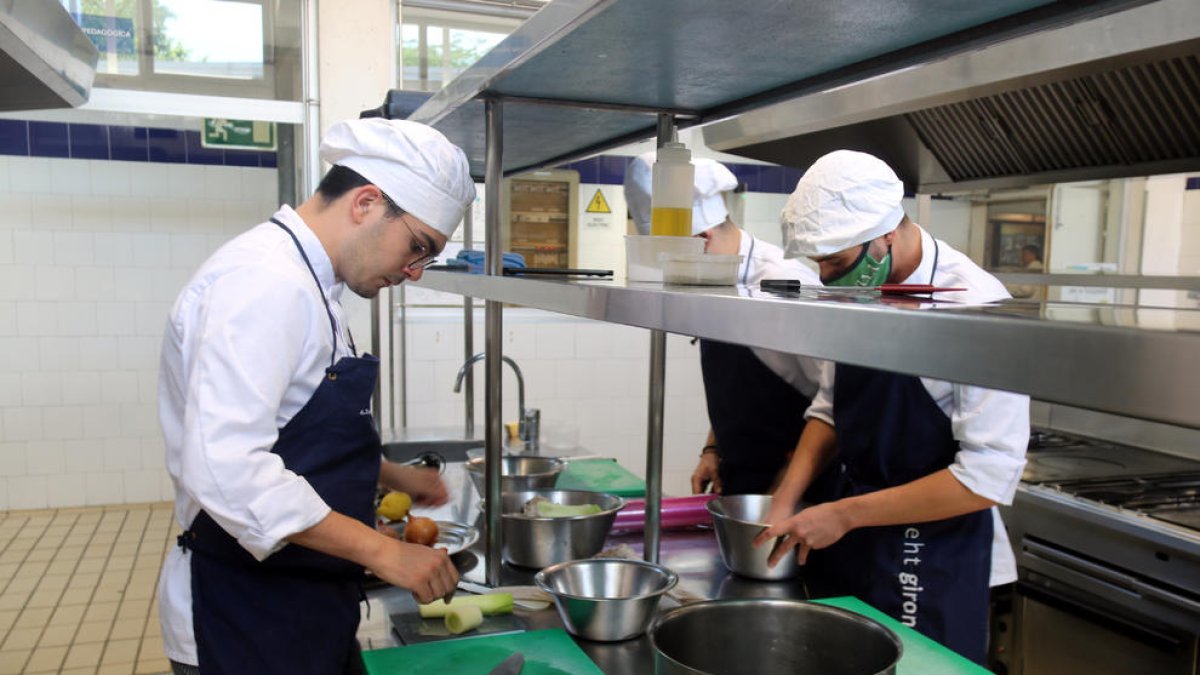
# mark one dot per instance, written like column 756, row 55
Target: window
column 113, row 26
column 209, row 38
column 436, row 46
column 239, row 48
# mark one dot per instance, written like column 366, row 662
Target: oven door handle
column 1109, row 576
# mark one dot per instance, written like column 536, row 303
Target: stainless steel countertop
column 691, row 553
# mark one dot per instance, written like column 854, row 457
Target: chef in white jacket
column 753, row 395
column 912, row 529
column 265, row 403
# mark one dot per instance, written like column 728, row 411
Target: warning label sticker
column 598, row 203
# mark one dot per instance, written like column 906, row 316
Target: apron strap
column 749, row 260
column 320, row 289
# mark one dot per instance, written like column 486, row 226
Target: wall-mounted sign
column 238, row 134
column 598, row 204
column 110, row 34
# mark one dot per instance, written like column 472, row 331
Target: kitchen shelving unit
column 581, row 76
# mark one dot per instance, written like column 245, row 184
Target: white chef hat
column 708, row 207
column 413, row 164
column 845, row 199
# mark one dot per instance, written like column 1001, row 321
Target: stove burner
column 1185, row 517
column 1174, row 498
column 1046, row 439
column 1057, row 466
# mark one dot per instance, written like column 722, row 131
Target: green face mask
column 866, row 271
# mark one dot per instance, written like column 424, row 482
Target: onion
column 421, row 531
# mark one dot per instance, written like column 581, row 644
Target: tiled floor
column 77, row 589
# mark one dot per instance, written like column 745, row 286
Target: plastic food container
column 642, row 252
column 701, row 270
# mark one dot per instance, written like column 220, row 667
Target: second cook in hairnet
column 755, row 397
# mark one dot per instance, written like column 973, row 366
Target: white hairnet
column 413, row 164
column 708, row 207
column 845, row 199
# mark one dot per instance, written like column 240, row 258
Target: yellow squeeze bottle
column 666, row 221
column 671, row 197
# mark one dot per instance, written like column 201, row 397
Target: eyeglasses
column 423, row 257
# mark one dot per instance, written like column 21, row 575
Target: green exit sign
column 220, row 132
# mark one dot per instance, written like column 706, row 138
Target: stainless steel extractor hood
column 45, row 59
column 1110, row 96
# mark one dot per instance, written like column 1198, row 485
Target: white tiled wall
column 583, row 374
column 92, row 253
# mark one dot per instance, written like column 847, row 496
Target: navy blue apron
column 297, row 611
column 755, row 415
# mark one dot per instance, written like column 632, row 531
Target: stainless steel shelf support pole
column 654, row 444
column 469, row 332
column 493, row 319
column 654, row 434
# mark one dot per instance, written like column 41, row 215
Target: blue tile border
column 88, row 141
column 23, row 138
column 14, row 137
column 610, row 170
column 167, row 145
column 198, row 154
column 26, row 138
column 49, row 139
column 129, row 144
column 1193, row 183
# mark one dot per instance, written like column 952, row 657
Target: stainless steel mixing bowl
column 765, row 637
column 519, row 473
column 609, row 599
column 738, row 519
column 538, row 542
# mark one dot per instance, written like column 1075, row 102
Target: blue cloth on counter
column 474, row 260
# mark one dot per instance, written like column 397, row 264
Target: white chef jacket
column 763, row 260
column 246, row 346
column 991, row 427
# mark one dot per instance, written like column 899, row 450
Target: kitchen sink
column 449, row 450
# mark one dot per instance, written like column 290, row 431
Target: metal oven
column 1108, row 553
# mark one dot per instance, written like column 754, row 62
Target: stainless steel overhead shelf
column 581, row 76
column 1139, row 362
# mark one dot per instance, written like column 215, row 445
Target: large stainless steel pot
column 765, row 637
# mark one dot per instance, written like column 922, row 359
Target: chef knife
column 510, row 666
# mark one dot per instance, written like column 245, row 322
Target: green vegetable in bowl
column 552, row 510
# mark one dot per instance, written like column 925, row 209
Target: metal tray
column 454, row 537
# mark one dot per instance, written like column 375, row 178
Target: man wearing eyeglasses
column 265, row 401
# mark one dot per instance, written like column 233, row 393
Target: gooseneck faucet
column 527, row 427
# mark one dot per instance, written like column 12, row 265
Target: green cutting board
column 922, row 656
column 547, row 652
column 600, row 475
